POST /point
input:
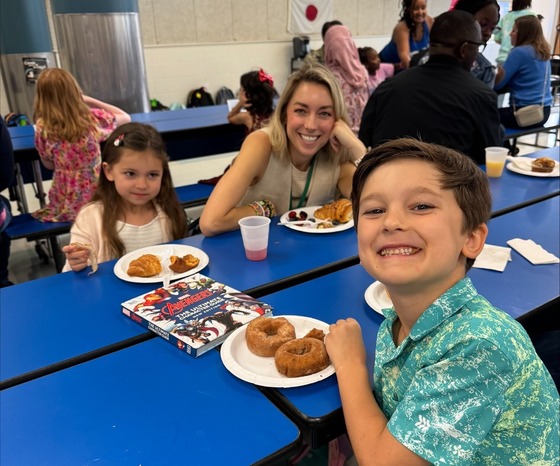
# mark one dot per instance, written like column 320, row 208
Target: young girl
column 304, row 157
column 456, row 380
column 377, row 71
column 411, row 34
column 69, row 128
column 256, row 96
column 134, row 205
column 254, row 109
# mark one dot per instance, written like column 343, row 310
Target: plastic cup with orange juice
column 495, row 161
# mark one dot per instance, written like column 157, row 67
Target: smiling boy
column 456, row 381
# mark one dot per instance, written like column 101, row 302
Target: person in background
column 455, row 380
column 256, row 101
column 318, row 56
column 304, row 157
column 410, row 35
column 487, row 13
column 502, row 36
column 377, row 71
column 7, row 165
column 341, row 58
column 69, row 128
column 441, row 101
column 254, row 108
column 134, row 205
column 526, row 71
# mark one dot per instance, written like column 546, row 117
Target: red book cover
column 194, row 314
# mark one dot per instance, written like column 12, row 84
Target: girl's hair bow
column 265, row 78
column 118, row 140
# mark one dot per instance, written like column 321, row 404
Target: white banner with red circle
column 308, row 16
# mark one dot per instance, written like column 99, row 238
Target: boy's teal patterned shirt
column 466, row 386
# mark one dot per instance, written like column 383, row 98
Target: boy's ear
column 475, row 241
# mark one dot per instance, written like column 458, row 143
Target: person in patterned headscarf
column 342, row 59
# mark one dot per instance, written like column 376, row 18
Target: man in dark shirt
column 439, row 102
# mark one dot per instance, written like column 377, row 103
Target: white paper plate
column 262, row 371
column 176, row 250
column 310, row 228
column 377, row 298
column 522, row 165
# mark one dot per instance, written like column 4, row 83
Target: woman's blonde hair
column 310, row 72
column 60, row 106
column 529, row 32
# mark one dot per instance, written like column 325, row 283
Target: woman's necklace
column 303, row 197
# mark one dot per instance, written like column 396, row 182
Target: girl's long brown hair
column 529, row 32
column 60, row 106
column 142, row 139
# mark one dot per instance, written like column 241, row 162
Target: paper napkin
column 493, row 258
column 523, row 163
column 533, row 252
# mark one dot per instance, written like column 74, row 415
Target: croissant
column 146, row 265
column 182, row 264
column 339, row 211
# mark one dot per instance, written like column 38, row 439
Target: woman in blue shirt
column 410, row 35
column 526, row 71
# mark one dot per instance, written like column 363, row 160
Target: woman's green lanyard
column 303, row 197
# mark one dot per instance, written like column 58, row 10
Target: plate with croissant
column 146, row 265
column 329, row 218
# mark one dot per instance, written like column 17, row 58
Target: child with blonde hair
column 69, row 127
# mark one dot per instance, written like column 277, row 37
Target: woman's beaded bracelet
column 264, row 208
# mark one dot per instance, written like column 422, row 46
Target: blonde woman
column 304, row 157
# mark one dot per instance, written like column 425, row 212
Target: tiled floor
column 25, row 264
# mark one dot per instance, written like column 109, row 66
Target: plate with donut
column 329, row 218
column 145, row 265
column 297, row 354
column 377, row 297
column 541, row 167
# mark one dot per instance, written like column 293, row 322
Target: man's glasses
column 487, row 26
column 481, row 46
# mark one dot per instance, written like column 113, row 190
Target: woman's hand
column 76, row 256
column 343, row 136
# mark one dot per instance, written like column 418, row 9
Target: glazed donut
column 264, row 335
column 302, row 356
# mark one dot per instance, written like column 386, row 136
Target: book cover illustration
column 195, row 314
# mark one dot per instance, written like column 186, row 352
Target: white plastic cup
column 495, row 161
column 254, row 231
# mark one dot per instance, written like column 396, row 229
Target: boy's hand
column 344, row 344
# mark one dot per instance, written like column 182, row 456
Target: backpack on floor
column 223, row 95
column 199, row 98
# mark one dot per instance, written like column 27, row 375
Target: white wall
column 247, row 35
